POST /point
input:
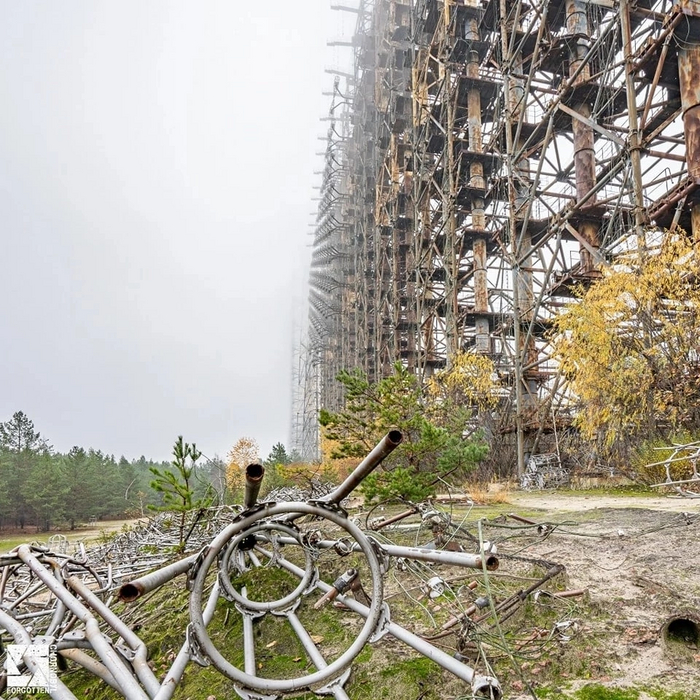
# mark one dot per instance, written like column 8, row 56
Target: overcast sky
column 156, row 175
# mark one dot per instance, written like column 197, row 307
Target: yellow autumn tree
column 630, row 345
column 468, row 383
column 244, row 452
column 335, row 469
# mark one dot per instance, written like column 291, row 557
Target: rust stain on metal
column 481, row 292
column 689, row 75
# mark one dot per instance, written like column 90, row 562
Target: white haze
column 156, row 174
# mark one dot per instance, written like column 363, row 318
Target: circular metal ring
column 322, row 676
column 255, row 605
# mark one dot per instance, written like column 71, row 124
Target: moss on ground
column 162, row 617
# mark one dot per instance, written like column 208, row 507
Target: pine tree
column 433, row 448
column 22, row 446
column 177, row 487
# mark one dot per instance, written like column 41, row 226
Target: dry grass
column 490, row 494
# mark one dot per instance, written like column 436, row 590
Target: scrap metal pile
column 68, row 600
column 688, row 455
column 544, row 471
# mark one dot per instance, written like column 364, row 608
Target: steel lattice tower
column 492, row 154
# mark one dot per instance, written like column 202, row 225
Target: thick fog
column 156, row 175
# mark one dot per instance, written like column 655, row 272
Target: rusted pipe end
column 491, row 563
column 253, row 481
column 680, row 634
column 385, row 447
column 395, row 437
column 130, row 592
column 254, row 472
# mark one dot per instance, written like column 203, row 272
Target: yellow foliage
column 629, row 346
column 243, row 453
column 328, row 446
column 487, row 496
column 468, row 380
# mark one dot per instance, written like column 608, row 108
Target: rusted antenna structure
column 501, row 152
column 331, row 263
column 306, row 395
column 52, row 599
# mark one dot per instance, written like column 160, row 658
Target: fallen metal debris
column 544, row 471
column 63, row 600
column 690, row 453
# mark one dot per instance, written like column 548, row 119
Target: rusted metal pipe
column 463, row 615
column 393, row 519
column 681, row 630
column 689, row 75
column 521, row 519
column 573, row 593
column 340, row 585
column 132, row 590
column 254, row 474
column 477, row 605
column 508, row 607
column 542, row 529
column 385, row 447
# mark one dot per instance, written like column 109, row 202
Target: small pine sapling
column 177, row 487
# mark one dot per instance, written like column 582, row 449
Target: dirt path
column 568, row 503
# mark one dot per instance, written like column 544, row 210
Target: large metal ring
column 334, row 669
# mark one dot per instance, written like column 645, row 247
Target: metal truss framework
column 485, row 156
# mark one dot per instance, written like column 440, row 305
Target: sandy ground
column 639, row 559
column 556, row 503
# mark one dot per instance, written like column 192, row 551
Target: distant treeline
column 44, row 488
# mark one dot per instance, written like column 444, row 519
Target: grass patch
column 658, row 694
column 630, row 490
column 88, row 534
column 596, row 691
column 600, row 692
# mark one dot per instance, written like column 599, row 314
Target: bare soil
column 553, row 502
column 639, row 559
